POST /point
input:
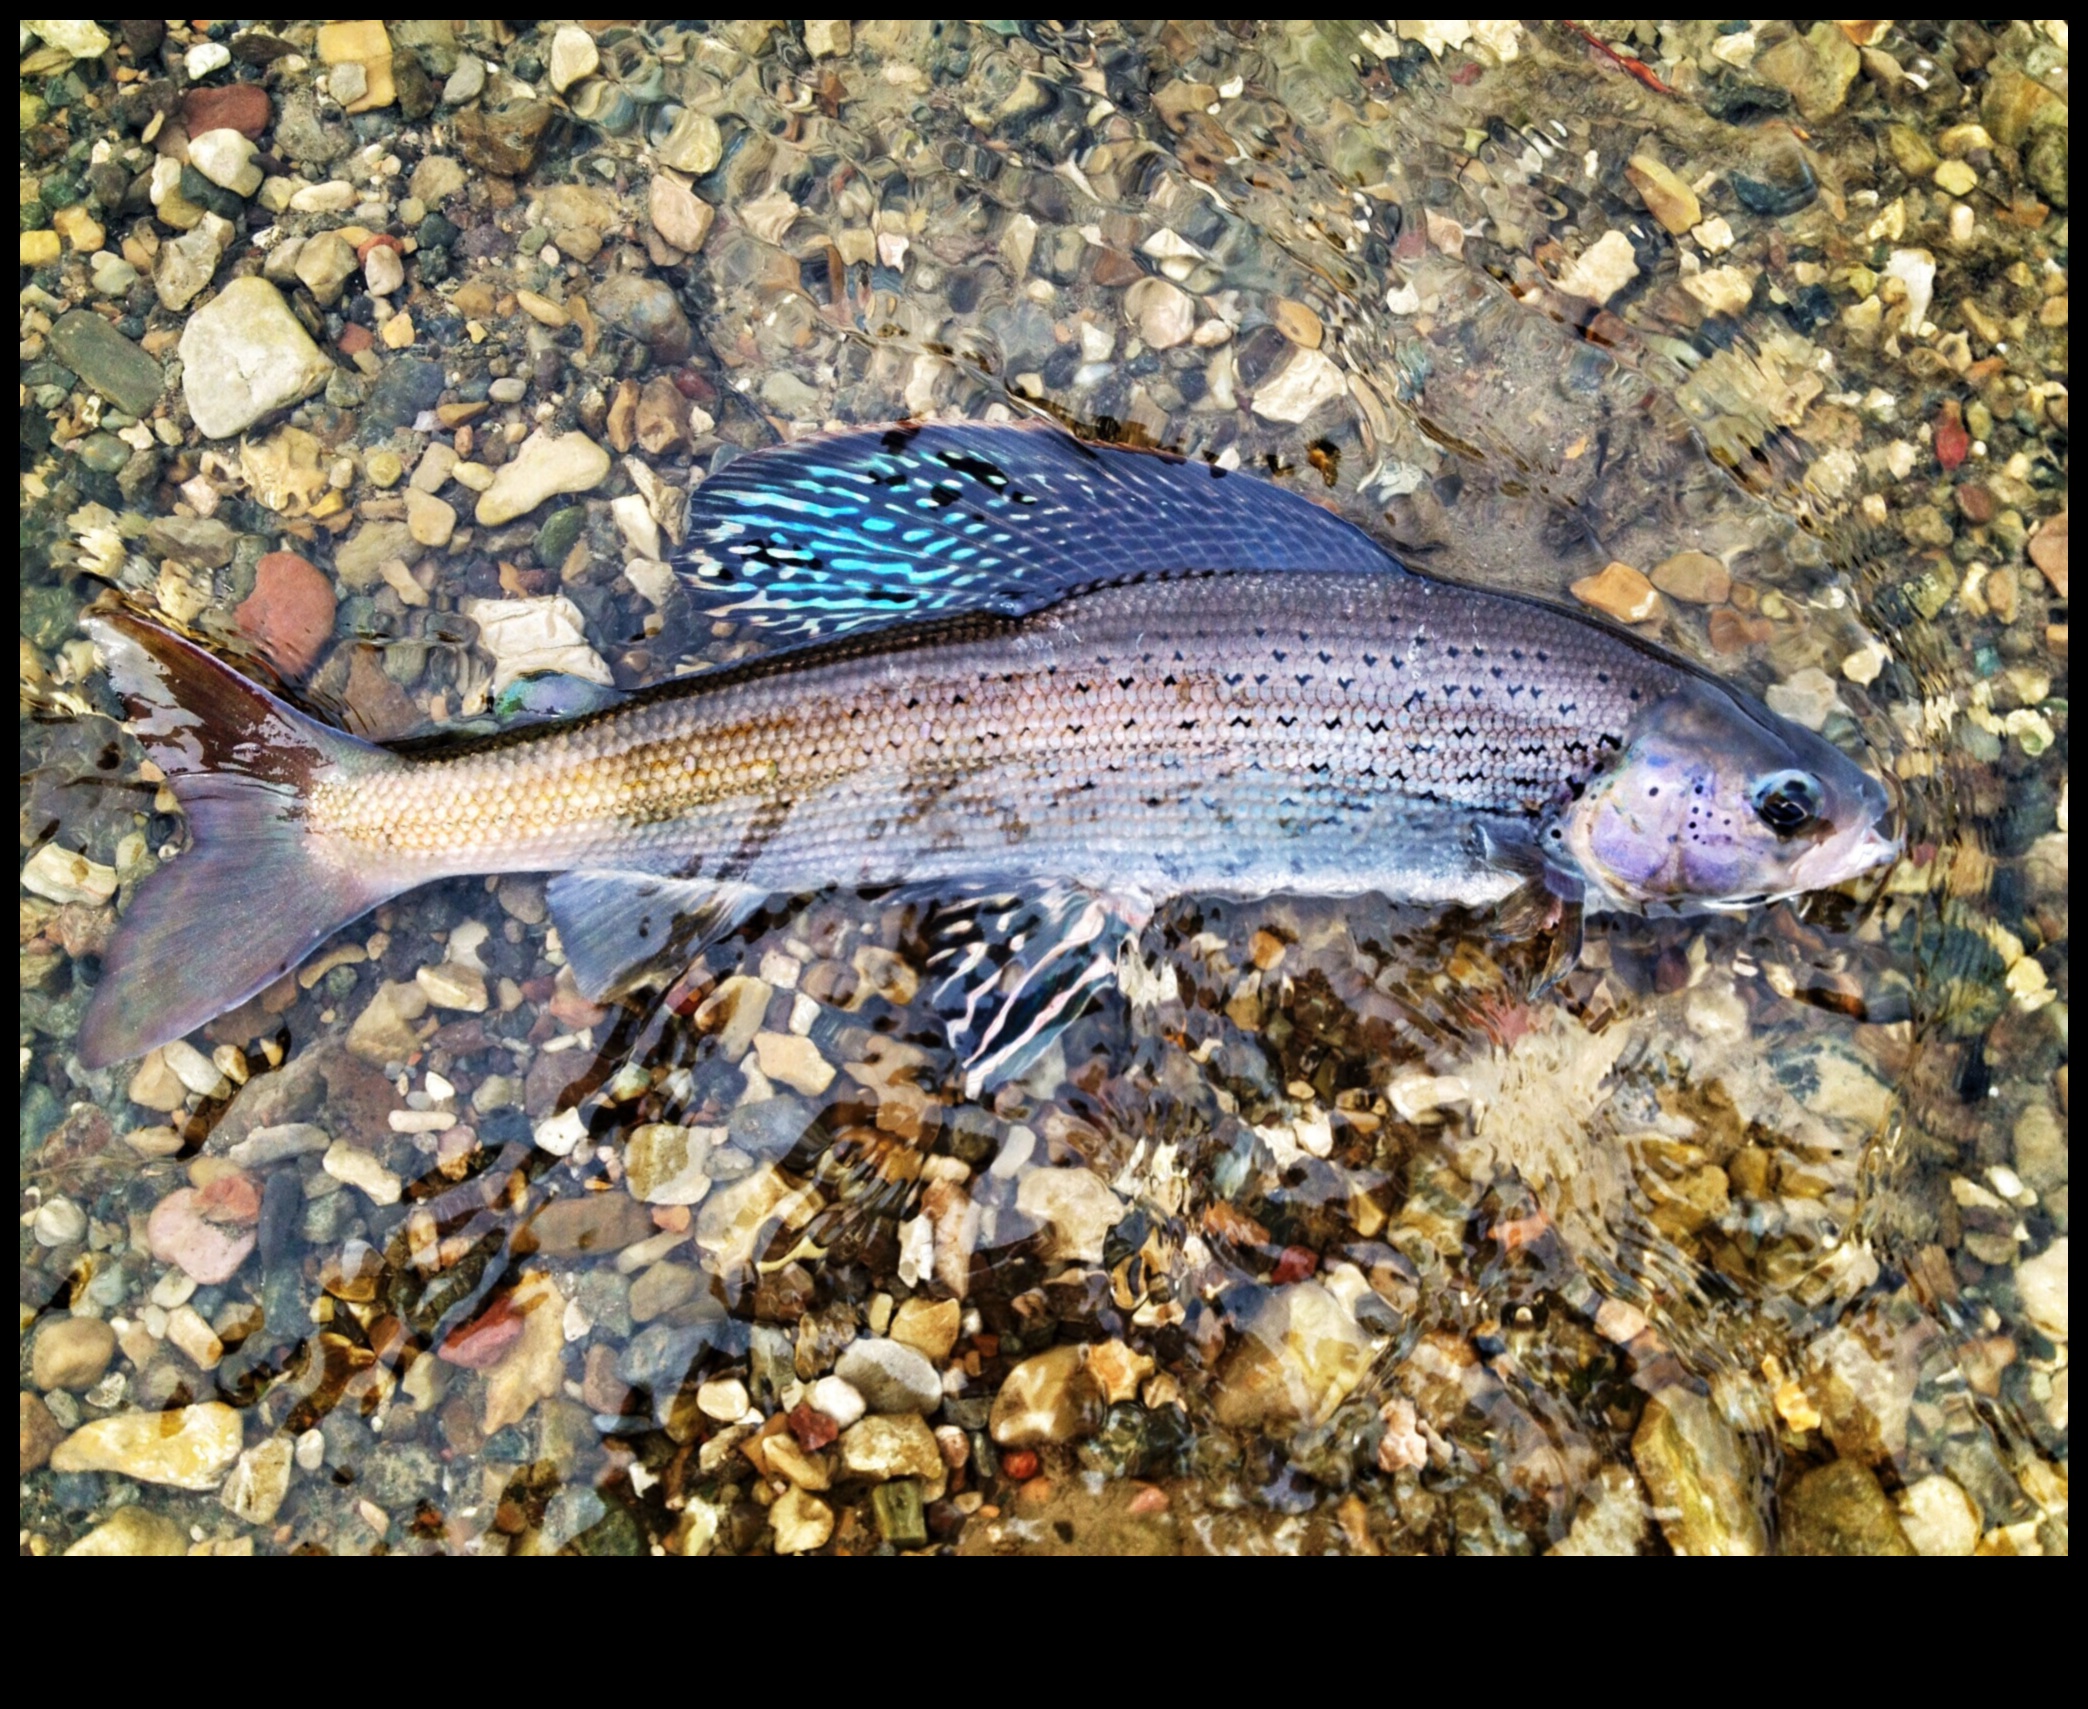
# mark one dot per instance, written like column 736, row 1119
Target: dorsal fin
column 826, row 535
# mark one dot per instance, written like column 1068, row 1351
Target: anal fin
column 1010, row 973
column 617, row 925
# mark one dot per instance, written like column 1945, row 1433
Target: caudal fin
column 257, row 890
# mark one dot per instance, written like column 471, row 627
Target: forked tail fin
column 257, row 890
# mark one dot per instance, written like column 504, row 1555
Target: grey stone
column 107, row 362
column 648, row 311
column 890, row 1376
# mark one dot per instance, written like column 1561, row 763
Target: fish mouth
column 1840, row 859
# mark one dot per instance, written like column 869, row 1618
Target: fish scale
column 1186, row 731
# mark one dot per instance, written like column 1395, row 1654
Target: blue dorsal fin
column 826, row 535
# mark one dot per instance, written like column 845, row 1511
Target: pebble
column 2048, row 551
column 829, row 38
column 1604, row 269
column 186, row 265
column 573, row 56
column 1305, row 383
column 929, row 1327
column 1619, row 591
column 2041, row 1288
column 1806, row 697
column 351, row 1164
column 1838, row 1509
column 504, row 140
column 244, row 354
column 59, row 1222
column 133, row 1530
column 76, row 36
column 678, row 214
column 1296, row 322
column 432, row 521
column 205, row 58
column 1077, row 1203
column 1956, row 178
column 291, row 613
column 648, row 310
column 226, row 157
column 41, row 1432
column 526, row 636
column 1048, row 1398
column 260, row 1480
column 82, row 232
column 200, row 1234
column 324, row 266
column 241, row 107
column 1669, row 200
column 64, row 875
column 801, row 1522
column 694, row 145
column 466, row 83
column 189, row 1447
column 71, row 1353
column 1301, row 1356
column 1163, row 314
column 794, row 1061
column 664, row 1164
column 723, row 1399
column 1722, row 290
column 890, row 1376
column 384, row 272
column 1695, row 578
column 881, row 1447
column 1938, row 1517
column 1698, row 1476
column 546, row 465
column 109, row 362
column 838, row 1399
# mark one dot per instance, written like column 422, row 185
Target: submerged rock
column 1698, row 1475
column 243, row 354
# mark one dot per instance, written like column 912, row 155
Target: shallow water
column 1748, row 1235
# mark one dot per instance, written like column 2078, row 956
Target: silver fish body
column 1233, row 693
column 1207, row 733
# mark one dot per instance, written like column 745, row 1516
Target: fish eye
column 1786, row 801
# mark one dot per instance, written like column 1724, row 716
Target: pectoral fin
column 1008, row 974
column 617, row 925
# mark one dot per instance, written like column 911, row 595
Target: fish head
column 1713, row 802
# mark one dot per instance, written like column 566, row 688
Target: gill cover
column 1716, row 802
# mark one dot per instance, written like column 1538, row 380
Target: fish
column 1038, row 684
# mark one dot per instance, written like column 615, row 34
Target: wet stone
column 1838, row 1509
column 648, row 311
column 71, row 1353
column 290, row 613
column 1697, row 1474
column 890, row 1376
column 244, row 354
column 106, row 361
column 1049, row 1398
column 1695, row 578
column 190, row 1447
column 506, row 140
column 133, row 1530
column 1619, row 591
